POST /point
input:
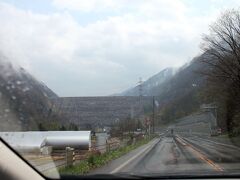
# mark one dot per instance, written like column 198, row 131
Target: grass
column 225, row 135
column 95, row 161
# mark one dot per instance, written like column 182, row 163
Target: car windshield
column 127, row 88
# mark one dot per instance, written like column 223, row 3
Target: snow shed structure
column 36, row 141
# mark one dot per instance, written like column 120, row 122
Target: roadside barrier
column 71, row 156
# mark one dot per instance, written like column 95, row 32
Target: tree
column 41, row 127
column 73, row 127
column 222, row 47
column 62, row 128
column 222, row 57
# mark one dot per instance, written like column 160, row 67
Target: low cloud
column 105, row 56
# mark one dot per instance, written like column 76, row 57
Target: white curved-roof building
column 38, row 139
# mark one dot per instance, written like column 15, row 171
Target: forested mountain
column 24, row 101
column 151, row 86
column 176, row 91
column 213, row 77
column 30, row 104
column 181, row 95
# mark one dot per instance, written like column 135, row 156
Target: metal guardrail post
column 134, row 141
column 70, row 156
column 108, row 147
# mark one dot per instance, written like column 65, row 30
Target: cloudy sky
column 101, row 47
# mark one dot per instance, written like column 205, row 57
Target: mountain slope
column 180, row 95
column 177, row 93
column 151, row 86
column 24, row 101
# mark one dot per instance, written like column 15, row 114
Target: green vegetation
column 56, row 126
column 97, row 160
column 181, row 107
column 212, row 78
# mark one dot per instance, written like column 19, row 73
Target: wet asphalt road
column 177, row 154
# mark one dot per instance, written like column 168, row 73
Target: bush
column 97, row 160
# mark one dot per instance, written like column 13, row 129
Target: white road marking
column 132, row 158
column 180, row 141
column 218, row 143
column 202, row 156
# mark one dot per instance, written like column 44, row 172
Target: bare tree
column 222, row 56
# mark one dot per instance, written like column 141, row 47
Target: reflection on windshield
column 72, row 101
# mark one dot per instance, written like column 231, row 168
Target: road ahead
column 177, row 154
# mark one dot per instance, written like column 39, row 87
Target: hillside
column 28, row 103
column 180, row 95
column 151, row 86
column 177, row 92
column 24, row 101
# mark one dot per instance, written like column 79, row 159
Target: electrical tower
column 140, row 100
column 140, row 86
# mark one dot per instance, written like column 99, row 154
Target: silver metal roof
column 37, row 139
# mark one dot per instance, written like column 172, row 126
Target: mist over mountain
column 180, row 95
column 151, row 86
column 177, row 91
column 27, row 102
column 24, row 101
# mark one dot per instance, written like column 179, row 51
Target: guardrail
column 70, row 156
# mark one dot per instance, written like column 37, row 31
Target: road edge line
column 202, row 156
column 134, row 157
